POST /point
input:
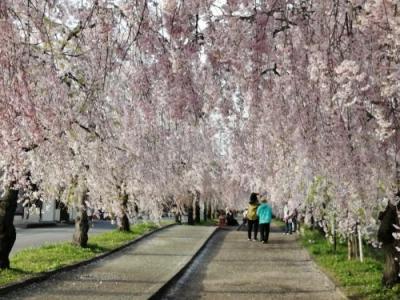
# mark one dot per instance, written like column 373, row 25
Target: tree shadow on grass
column 376, row 293
column 21, row 272
column 97, row 249
column 13, row 275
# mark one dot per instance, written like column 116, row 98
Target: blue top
column 264, row 213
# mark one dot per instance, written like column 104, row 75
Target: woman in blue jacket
column 264, row 213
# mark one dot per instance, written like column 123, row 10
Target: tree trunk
column 334, row 236
column 312, row 221
column 352, row 247
column 209, row 211
column 213, row 212
column 349, row 252
column 197, row 208
column 197, row 212
column 360, row 245
column 80, row 236
column 385, row 236
column 190, row 214
column 356, row 252
column 8, row 205
column 205, row 212
column 308, row 217
column 391, row 267
column 122, row 220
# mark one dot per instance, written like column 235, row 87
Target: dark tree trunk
column 197, row 208
column 123, row 221
column 190, row 214
column 205, row 212
column 80, row 236
column 178, row 217
column 8, row 205
column 385, row 235
column 124, row 224
column 391, row 267
column 209, row 211
column 197, row 212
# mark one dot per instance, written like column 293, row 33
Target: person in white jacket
column 287, row 219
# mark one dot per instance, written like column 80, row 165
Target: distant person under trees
column 221, row 218
column 177, row 214
column 230, row 219
column 295, row 224
column 287, row 218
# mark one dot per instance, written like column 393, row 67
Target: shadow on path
column 231, row 267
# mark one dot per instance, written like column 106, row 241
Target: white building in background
column 49, row 212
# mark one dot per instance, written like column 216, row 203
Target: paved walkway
column 134, row 273
column 234, row 268
column 230, row 267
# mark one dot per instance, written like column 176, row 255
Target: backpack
column 252, row 212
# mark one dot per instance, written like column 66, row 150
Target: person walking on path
column 264, row 213
column 252, row 221
column 294, row 215
column 287, row 218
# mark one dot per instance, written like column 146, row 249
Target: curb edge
column 161, row 291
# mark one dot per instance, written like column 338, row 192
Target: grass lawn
column 358, row 280
column 33, row 261
column 279, row 223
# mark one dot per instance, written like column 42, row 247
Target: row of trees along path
column 132, row 107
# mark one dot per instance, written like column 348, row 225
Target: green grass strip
column 359, row 280
column 279, row 223
column 208, row 222
column 33, row 261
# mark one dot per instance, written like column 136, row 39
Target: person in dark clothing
column 230, row 219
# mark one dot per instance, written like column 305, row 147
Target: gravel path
column 134, row 273
column 234, row 268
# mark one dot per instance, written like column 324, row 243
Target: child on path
column 264, row 213
column 245, row 217
column 221, row 218
column 252, row 221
